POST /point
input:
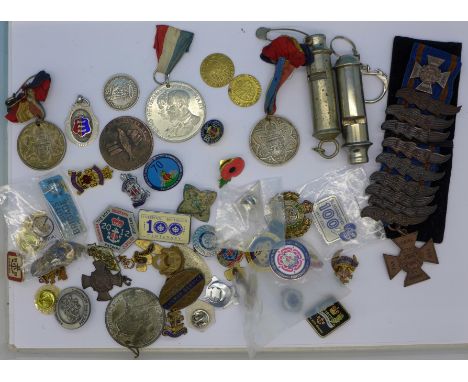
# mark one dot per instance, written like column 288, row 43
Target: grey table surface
column 408, row 352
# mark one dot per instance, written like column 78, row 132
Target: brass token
column 46, row 298
column 182, row 289
column 217, row 70
column 244, row 90
column 41, row 145
column 169, row 261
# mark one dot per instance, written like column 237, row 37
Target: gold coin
column 244, row 90
column 46, row 298
column 217, row 70
column 41, row 145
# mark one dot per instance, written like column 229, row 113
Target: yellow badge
column 46, row 298
column 161, row 226
column 244, row 90
column 217, row 70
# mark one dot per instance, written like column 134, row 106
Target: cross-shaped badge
column 411, row 259
column 430, row 74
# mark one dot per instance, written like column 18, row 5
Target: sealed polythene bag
column 338, row 198
column 44, row 224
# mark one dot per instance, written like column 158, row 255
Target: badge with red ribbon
column 25, row 104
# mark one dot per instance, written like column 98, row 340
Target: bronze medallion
column 41, row 145
column 126, row 143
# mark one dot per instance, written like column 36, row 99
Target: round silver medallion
column 135, row 318
column 274, row 140
column 121, row 92
column 73, row 308
column 175, row 111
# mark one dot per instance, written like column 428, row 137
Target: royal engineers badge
column 161, row 226
column 332, row 222
column 116, row 229
column 91, row 177
column 137, row 194
column 82, row 125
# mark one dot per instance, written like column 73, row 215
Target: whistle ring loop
column 350, row 42
column 366, row 71
column 321, row 150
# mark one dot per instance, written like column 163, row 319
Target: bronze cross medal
column 411, row 259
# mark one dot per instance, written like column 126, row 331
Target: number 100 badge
column 116, row 229
column 162, row 226
column 332, row 222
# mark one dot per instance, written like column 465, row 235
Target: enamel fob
column 82, row 126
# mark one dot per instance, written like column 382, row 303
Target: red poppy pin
column 230, row 168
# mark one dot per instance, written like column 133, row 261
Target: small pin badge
column 90, row 177
column 14, row 267
column 82, row 124
column 329, row 318
column 230, row 168
column 175, row 324
column 344, row 266
column 137, row 194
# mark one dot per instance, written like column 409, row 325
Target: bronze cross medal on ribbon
column 411, row 259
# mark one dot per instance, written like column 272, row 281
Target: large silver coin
column 274, row 140
column 175, row 112
column 121, row 92
column 135, row 318
column 126, row 143
column 73, row 308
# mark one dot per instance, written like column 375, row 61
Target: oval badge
column 82, row 124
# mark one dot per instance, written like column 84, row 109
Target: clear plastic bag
column 34, row 227
column 338, row 198
column 272, row 304
column 245, row 213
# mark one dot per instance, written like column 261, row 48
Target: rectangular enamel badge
column 14, row 271
column 329, row 319
column 162, row 226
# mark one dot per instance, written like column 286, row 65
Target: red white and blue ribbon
column 287, row 54
column 170, row 44
column 25, row 103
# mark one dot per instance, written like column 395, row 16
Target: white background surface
column 81, row 57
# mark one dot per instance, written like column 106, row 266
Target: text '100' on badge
column 161, row 226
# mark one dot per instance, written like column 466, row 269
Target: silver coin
column 121, row 92
column 135, row 318
column 274, row 140
column 175, row 112
column 73, row 308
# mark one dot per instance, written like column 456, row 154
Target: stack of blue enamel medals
column 409, row 192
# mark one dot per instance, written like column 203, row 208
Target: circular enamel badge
column 229, row 257
column 290, row 260
column 204, row 241
column 163, row 172
column 212, row 131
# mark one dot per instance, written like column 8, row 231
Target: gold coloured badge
column 46, row 298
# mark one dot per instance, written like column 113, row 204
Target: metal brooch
column 102, row 281
column 415, row 118
column 413, row 132
column 405, row 167
column 398, row 196
column 104, row 254
column 90, row 177
column 137, row 194
column 389, row 217
column 430, row 74
column 344, row 266
column 425, row 102
column 411, row 259
column 174, row 326
column 412, row 151
column 398, row 183
column 197, row 203
column 401, row 209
